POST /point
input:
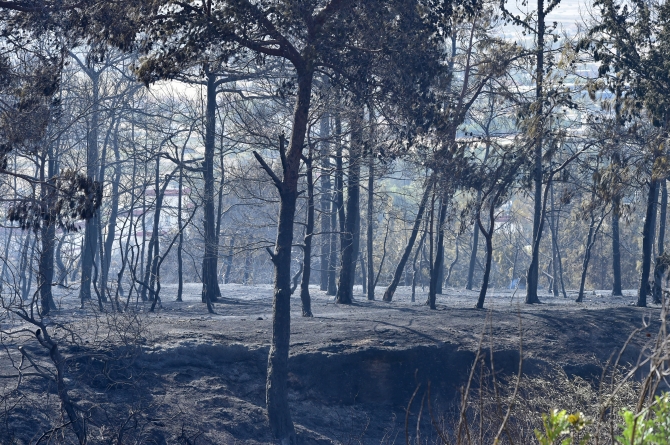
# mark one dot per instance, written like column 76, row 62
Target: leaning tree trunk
column 307, row 248
column 276, row 396
column 658, row 276
column 648, row 232
column 345, row 287
column 210, row 285
column 473, row 253
column 487, row 269
column 590, row 241
column 415, row 270
column 390, row 290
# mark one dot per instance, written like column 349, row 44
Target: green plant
column 650, row 426
column 563, row 428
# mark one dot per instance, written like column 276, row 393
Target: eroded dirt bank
column 185, row 375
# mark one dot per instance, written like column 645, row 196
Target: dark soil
column 181, row 375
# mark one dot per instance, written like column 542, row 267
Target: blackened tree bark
column 324, row 133
column 648, row 233
column 473, row 252
column 114, row 211
column 180, row 242
column 435, row 275
column 338, row 208
column 590, row 241
column 658, row 275
column 309, row 235
column 453, row 263
column 339, row 181
column 616, row 248
column 276, row 397
column 210, row 284
column 390, row 290
column 92, row 164
column 532, row 278
column 351, row 235
column 554, row 245
column 370, row 222
column 229, row 260
column 61, row 279
column 48, row 233
column 488, row 237
column 153, row 248
column 417, row 270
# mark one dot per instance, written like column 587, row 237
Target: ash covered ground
column 181, row 375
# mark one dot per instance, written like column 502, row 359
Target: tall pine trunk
column 351, row 235
column 370, row 231
column 210, row 284
column 276, row 397
column 532, row 279
column 435, row 275
column 48, row 234
column 307, row 247
column 114, row 211
column 648, row 232
column 658, row 275
column 92, row 224
column 616, row 249
column 473, row 253
column 324, row 133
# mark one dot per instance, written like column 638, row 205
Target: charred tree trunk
column 388, row 295
column 114, row 211
column 229, row 260
column 45, row 272
column 326, row 197
column 307, row 248
column 210, row 284
column 337, row 212
column 648, row 232
column 370, row 231
column 61, row 279
column 658, row 290
column 616, row 249
column 488, row 236
column 23, row 263
column 28, row 280
column 180, row 242
column 554, row 245
column 532, row 278
column 590, row 241
column 451, row 266
column 351, row 235
column 276, row 397
column 473, row 253
column 92, row 224
column 436, row 274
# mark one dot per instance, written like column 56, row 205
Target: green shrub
column 651, row 426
